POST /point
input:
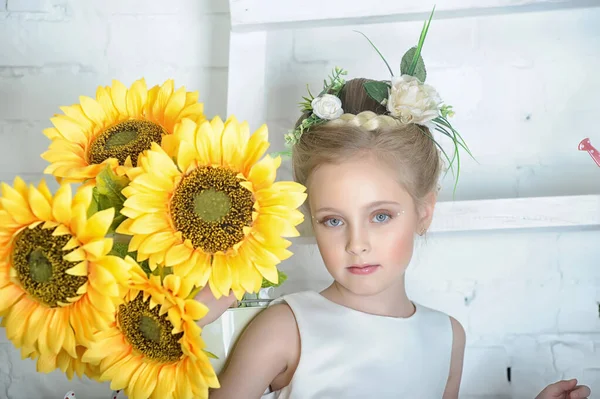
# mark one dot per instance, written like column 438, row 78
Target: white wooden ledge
column 253, row 15
column 579, row 212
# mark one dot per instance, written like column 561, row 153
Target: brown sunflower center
column 211, row 208
column 38, row 260
column 125, row 139
column 149, row 333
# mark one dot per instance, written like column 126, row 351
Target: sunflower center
column 211, row 208
column 212, row 205
column 121, row 138
column 38, row 259
column 149, row 333
column 150, row 329
column 125, row 139
column 39, row 266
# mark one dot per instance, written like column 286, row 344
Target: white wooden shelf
column 579, row 212
column 256, row 15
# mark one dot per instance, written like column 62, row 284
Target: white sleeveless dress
column 347, row 354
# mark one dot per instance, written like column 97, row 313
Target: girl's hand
column 216, row 307
column 565, row 389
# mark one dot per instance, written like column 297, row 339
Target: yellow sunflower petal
column 97, row 225
column 216, row 152
column 81, row 269
column 19, row 213
column 45, row 191
column 195, row 309
column 93, row 110
column 269, row 272
column 264, row 172
column 177, row 254
column 220, row 279
column 166, row 383
column 9, row 295
column 39, row 205
column 175, row 105
column 148, row 224
column 203, row 142
column 145, row 382
column 183, row 389
column 61, row 206
column 162, row 98
column 256, row 147
column 76, row 113
column 136, row 98
column 232, row 149
column 69, row 129
column 105, row 100
column 157, row 242
column 118, row 92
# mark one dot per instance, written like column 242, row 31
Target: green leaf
column 210, row 354
column 378, row 91
column 107, row 194
column 378, row 52
column 419, row 70
column 145, row 266
column 120, row 249
column 94, row 204
column 110, row 185
column 283, row 154
column 282, row 277
column 416, row 66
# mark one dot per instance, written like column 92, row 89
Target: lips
column 363, row 269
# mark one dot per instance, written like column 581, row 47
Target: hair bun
column 356, row 100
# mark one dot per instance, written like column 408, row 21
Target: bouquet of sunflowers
column 154, row 203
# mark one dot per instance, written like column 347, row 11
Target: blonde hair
column 365, row 130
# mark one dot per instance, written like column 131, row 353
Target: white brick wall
column 53, row 51
column 525, row 90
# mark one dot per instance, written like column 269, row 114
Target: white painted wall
column 528, row 299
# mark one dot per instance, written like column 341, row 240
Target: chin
column 366, row 286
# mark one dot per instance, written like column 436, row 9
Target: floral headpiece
column 406, row 97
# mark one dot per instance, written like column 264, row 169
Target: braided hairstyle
column 366, row 130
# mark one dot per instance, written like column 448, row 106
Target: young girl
column 366, row 154
column 372, row 185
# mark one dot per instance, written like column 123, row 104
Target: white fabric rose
column 327, row 107
column 412, row 101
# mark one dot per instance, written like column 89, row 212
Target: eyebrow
column 368, row 206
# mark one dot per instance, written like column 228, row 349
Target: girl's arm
column 264, row 351
column 456, row 362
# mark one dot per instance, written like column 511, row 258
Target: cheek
column 397, row 246
column 330, row 246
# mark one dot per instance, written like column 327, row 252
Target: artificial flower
column 115, row 127
column 412, row 101
column 212, row 211
column 327, row 106
column 154, row 348
column 58, row 283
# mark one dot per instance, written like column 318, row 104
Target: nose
column 358, row 241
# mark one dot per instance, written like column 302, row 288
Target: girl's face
column 365, row 223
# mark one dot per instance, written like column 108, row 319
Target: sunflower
column 115, row 128
column 215, row 214
column 57, row 282
column 154, row 348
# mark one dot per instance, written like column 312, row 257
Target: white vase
column 221, row 335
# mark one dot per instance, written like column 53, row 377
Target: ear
column 425, row 212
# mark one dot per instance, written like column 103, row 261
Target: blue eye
column 332, row 222
column 381, row 217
